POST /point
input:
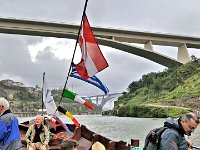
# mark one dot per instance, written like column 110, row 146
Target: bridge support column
column 103, row 102
column 183, row 55
column 97, row 100
column 148, row 46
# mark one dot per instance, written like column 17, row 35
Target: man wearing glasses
column 9, row 131
column 173, row 138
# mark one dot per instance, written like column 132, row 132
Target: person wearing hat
column 98, row 146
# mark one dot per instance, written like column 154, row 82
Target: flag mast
column 84, row 10
column 43, row 93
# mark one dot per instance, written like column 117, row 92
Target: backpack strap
column 159, row 137
column 154, row 137
column 179, row 139
column 158, row 134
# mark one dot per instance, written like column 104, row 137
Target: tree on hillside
column 194, row 58
column 157, row 87
column 135, row 85
column 147, row 79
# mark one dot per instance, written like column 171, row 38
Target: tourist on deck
column 173, row 137
column 9, row 130
column 37, row 136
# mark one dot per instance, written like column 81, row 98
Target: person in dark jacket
column 173, row 138
column 9, row 130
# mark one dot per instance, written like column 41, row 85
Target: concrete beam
column 104, row 37
column 61, row 30
column 153, row 56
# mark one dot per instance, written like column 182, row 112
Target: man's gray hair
column 4, row 103
column 191, row 115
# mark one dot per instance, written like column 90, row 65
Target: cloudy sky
column 25, row 58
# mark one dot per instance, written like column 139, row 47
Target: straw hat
column 98, row 146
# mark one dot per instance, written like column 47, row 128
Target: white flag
column 48, row 100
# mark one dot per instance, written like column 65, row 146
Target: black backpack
column 153, row 138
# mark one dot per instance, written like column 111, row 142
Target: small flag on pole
column 62, row 124
column 68, row 114
column 53, row 122
column 48, row 99
column 92, row 80
column 69, row 94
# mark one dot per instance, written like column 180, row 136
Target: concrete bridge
column 25, row 114
column 101, row 100
column 115, row 38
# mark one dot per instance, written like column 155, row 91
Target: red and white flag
column 92, row 60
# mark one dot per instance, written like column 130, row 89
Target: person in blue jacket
column 9, row 130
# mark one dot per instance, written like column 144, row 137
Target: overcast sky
column 25, row 58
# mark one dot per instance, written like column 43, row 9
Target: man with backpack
column 172, row 135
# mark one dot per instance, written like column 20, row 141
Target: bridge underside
column 153, row 56
column 109, row 37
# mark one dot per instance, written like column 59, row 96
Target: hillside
column 23, row 99
column 167, row 93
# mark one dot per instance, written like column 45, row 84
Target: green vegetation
column 190, row 87
column 23, row 99
column 149, row 111
column 168, row 93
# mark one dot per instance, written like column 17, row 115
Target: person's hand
column 190, row 144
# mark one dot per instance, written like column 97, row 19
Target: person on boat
column 37, row 136
column 98, row 146
column 9, row 130
column 173, row 137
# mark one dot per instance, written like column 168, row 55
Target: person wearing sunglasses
column 173, row 138
column 9, row 130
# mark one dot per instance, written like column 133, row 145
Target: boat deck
column 82, row 135
column 83, row 143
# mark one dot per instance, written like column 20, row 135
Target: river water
column 121, row 128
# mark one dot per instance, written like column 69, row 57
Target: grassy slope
column 144, row 101
column 191, row 87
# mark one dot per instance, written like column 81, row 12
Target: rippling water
column 121, row 128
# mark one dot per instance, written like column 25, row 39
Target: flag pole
column 43, row 93
column 84, row 10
